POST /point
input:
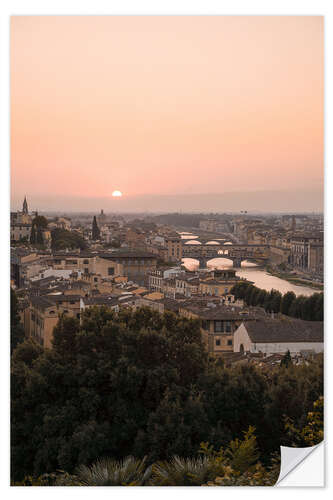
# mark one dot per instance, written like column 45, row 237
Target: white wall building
column 279, row 336
column 58, row 273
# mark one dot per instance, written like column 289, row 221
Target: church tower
column 25, row 206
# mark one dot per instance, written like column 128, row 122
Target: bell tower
column 25, row 206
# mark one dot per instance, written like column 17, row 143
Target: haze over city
column 178, row 113
column 166, row 249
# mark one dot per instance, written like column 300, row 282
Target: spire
column 25, row 206
column 95, row 229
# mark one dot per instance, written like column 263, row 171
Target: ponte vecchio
column 236, row 252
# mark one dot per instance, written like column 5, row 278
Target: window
column 217, row 342
column 229, row 342
column 110, row 271
column 72, row 301
column 95, row 280
column 228, row 326
column 65, row 311
column 86, row 261
column 218, row 326
column 78, row 315
column 205, row 324
column 216, row 291
column 86, row 270
column 51, row 312
column 226, row 290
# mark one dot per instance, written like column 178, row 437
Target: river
column 252, row 272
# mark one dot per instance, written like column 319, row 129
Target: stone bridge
column 235, row 252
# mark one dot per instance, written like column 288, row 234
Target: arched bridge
column 235, row 252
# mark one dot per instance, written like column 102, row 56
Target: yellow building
column 43, row 313
column 88, row 263
column 218, row 323
column 174, row 248
column 219, row 283
column 19, row 231
column 136, row 265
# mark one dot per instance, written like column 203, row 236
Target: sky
column 178, row 113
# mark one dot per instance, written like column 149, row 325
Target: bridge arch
column 219, row 257
column 193, row 242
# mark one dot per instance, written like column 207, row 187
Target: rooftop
column 213, row 311
column 127, row 254
column 107, row 300
column 285, row 330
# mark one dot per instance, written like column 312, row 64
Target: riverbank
column 294, row 280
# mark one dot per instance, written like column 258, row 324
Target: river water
column 250, row 271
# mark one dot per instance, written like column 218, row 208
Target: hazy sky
column 165, row 106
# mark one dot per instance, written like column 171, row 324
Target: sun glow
column 117, row 193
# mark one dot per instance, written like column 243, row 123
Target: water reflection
column 248, row 270
column 252, row 272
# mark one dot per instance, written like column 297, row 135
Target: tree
column 311, row 307
column 40, row 222
column 319, row 308
column 254, row 296
column 26, row 352
column 297, row 307
column 138, row 383
column 39, row 238
column 262, row 297
column 275, row 303
column 244, row 453
column 249, row 294
column 95, row 229
column 16, row 327
column 240, row 289
column 62, row 239
column 286, row 360
column 33, row 235
column 286, row 302
column 64, row 336
column 313, row 431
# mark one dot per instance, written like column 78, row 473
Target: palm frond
column 109, row 472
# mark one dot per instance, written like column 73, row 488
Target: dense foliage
column 140, row 384
column 237, row 464
column 39, row 224
column 62, row 239
column 16, row 327
column 307, row 308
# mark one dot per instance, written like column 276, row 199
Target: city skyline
column 256, row 202
column 175, row 108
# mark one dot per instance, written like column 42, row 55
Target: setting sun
column 117, row 193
